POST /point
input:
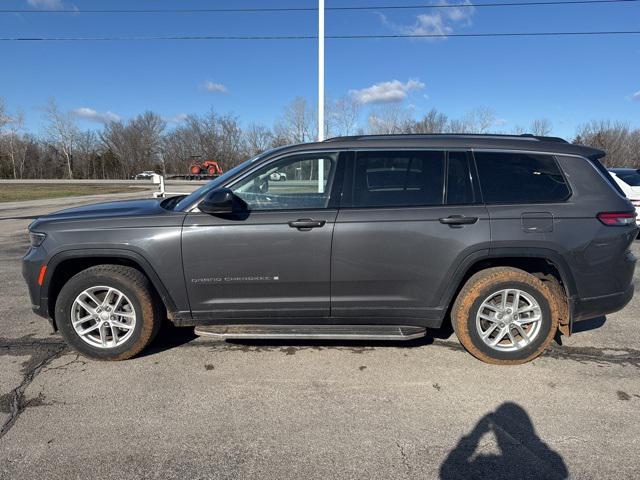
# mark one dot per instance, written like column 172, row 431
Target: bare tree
column 148, row 130
column 542, row 127
column 258, row 138
column 88, row 156
column 4, row 121
column 615, row 138
column 137, row 144
column 342, row 116
column 211, row 136
column 432, row 122
column 297, row 123
column 16, row 147
column 479, row 120
column 391, row 118
column 144, row 142
column 62, row 132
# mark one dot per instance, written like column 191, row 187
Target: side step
column 311, row 332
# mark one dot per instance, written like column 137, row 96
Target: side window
column 459, row 188
column 520, row 178
column 398, row 178
column 296, row 182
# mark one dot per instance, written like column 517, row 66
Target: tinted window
column 605, row 173
column 459, row 189
column 520, row 178
column 401, row 178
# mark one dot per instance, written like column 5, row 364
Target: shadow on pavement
column 169, row 337
column 521, row 453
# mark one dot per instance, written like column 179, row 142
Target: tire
column 490, row 285
column 136, row 301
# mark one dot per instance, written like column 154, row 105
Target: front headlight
column 36, row 238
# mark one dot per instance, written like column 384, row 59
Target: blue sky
column 568, row 80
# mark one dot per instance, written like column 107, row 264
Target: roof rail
column 525, row 136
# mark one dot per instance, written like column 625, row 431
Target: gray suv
column 510, row 238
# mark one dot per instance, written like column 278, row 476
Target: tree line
column 120, row 149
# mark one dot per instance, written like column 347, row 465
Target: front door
column 409, row 219
column 273, row 259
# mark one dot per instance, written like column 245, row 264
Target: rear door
column 408, row 218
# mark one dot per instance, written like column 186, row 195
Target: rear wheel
column 108, row 312
column 505, row 316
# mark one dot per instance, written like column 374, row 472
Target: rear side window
column 399, row 178
column 605, row 173
column 520, row 178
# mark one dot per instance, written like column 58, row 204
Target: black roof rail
column 544, row 138
column 525, row 136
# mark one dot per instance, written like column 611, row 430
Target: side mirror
column 218, row 202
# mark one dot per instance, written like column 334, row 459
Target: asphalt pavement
column 198, row 408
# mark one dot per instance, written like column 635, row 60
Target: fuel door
column 537, row 222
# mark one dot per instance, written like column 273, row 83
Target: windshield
column 193, row 197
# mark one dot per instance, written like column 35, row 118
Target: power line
column 311, row 37
column 313, row 9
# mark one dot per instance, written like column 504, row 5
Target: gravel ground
column 197, row 408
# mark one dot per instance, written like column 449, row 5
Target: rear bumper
column 586, row 308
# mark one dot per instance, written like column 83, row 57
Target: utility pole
column 320, row 90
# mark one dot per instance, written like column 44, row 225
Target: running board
column 311, row 332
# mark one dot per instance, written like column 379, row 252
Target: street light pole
column 320, row 70
column 321, row 90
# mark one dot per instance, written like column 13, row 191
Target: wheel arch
column 64, row 265
column 539, row 261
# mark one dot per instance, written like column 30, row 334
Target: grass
column 17, row 193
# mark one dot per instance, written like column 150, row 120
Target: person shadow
column 522, row 454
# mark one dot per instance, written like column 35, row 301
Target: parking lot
column 196, row 408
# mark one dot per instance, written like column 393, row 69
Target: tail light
column 617, row 219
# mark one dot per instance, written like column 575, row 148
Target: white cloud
column 94, row 116
column 500, row 122
column 442, row 22
column 179, row 118
column 213, row 87
column 46, row 4
column 386, row 92
column 636, row 96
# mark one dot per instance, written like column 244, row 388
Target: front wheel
column 505, row 316
column 107, row 312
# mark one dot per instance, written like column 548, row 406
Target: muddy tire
column 108, row 312
column 506, row 316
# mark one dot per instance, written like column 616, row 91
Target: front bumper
column 31, row 264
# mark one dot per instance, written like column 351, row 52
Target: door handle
column 306, row 224
column 458, row 220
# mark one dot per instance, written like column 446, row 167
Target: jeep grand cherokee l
column 511, row 238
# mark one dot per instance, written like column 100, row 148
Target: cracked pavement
column 197, row 408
